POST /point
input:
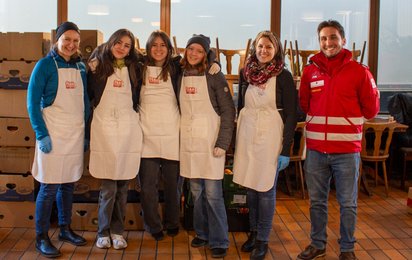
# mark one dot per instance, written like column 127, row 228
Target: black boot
column 45, row 247
column 260, row 250
column 250, row 242
column 67, row 235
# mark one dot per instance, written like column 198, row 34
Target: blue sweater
column 42, row 89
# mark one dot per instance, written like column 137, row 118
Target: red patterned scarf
column 258, row 75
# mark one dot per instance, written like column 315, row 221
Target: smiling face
column 195, row 54
column 122, row 48
column 330, row 41
column 68, row 44
column 159, row 51
column 265, row 50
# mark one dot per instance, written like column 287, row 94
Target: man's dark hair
column 332, row 23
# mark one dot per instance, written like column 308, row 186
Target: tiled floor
column 384, row 231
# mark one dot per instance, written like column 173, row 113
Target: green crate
column 235, row 199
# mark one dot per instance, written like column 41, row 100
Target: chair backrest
column 376, row 139
column 304, row 56
column 298, row 145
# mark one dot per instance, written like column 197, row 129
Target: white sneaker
column 118, row 241
column 103, row 242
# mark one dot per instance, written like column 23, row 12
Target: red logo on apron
column 191, row 90
column 153, row 80
column 117, row 83
column 70, row 85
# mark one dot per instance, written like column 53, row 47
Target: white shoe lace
column 103, row 242
column 118, row 241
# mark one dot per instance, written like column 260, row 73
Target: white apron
column 199, row 128
column 258, row 139
column 65, row 122
column 116, row 135
column 159, row 117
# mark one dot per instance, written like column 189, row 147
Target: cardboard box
column 16, row 160
column 17, row 187
column 15, row 74
column 16, row 132
column 28, row 46
column 85, row 216
column 89, row 40
column 13, row 103
column 17, row 214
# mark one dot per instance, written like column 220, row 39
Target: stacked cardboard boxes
column 19, row 53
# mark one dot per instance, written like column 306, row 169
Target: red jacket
column 337, row 94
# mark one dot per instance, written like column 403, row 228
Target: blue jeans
column 209, row 213
column 261, row 211
column 48, row 193
column 319, row 170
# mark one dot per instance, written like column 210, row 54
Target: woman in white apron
column 160, row 120
column 58, row 107
column 265, row 128
column 207, row 122
column 115, row 132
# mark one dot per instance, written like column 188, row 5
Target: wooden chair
column 297, row 64
column 297, row 154
column 376, row 140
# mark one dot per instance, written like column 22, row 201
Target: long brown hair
column 105, row 59
column 274, row 39
column 149, row 61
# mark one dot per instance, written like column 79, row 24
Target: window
column 395, row 45
column 18, row 16
column 232, row 21
column 139, row 16
column 300, row 19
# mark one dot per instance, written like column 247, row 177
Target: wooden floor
column 384, row 231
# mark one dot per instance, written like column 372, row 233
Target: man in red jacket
column 337, row 94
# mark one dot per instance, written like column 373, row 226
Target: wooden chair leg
column 302, row 180
column 376, row 174
column 385, row 178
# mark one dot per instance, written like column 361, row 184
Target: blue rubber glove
column 45, row 144
column 283, row 162
column 86, row 145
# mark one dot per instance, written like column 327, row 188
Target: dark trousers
column 150, row 170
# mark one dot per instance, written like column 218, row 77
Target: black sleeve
column 287, row 100
column 242, row 91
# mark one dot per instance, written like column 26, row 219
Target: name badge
column 318, row 83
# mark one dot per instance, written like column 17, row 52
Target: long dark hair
column 166, row 67
column 105, row 58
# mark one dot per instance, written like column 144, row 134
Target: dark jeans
column 48, row 193
column 150, row 169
